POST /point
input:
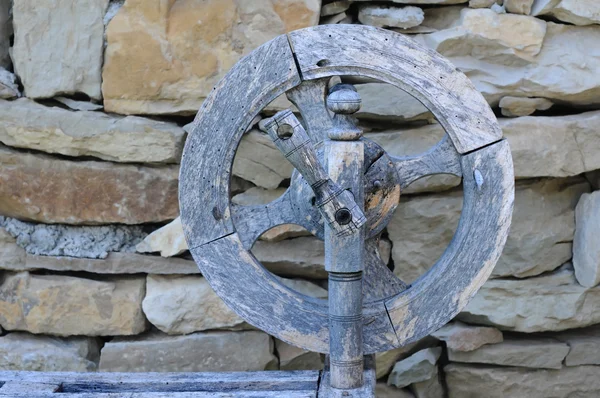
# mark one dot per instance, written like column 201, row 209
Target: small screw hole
column 285, row 131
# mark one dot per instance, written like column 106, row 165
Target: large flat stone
column 304, row 257
column 27, row 124
column 164, row 59
column 419, row 367
column 470, row 381
column 519, row 351
column 576, row 12
column 24, row 351
column 586, row 244
column 51, row 190
column 518, row 55
column 384, row 102
column 550, row 302
column 584, row 345
column 460, row 337
column 389, row 16
column 539, row 240
column 65, row 305
column 186, row 304
column 294, row 358
column 198, row 352
column 58, row 46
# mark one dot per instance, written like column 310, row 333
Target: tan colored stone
column 539, row 240
column 27, row 124
column 335, row 7
column 518, row 6
column 584, row 345
column 42, row 188
column 577, row 12
column 24, row 351
column 260, row 162
column 79, row 105
column 166, row 57
column 437, row 2
column 389, row 16
column 521, row 351
column 500, row 382
column 198, row 352
column 419, row 367
column 186, row 304
column 256, row 196
column 382, row 390
column 168, row 240
column 431, row 388
column 482, row 3
column 294, row 358
column 304, row 257
column 384, row 102
column 58, row 46
column 522, row 106
column 586, row 244
column 8, row 85
column 66, row 305
column 12, row 256
column 503, row 55
column 461, row 338
column 551, row 302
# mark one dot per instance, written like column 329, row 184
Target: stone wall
column 96, row 276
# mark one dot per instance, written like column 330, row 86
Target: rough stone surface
column 47, row 189
column 24, row 351
column 58, row 46
column 522, row 351
column 431, row 388
column 420, row 366
column 66, row 305
column 12, row 256
column 198, row 352
column 542, row 227
column 501, row 382
column 168, row 240
column 382, row 390
column 335, row 7
column 584, row 346
column 522, row 106
column 576, row 12
column 550, row 302
column 586, row 244
column 518, row 6
column 6, row 30
column 72, row 241
column 423, row 2
column 481, row 3
column 186, row 304
column 384, row 102
column 79, row 105
column 386, row 360
column 304, row 257
column 294, row 358
column 388, row 16
column 259, row 161
column 166, row 59
column 8, row 85
column 27, row 124
column 256, row 196
column 462, row 338
column 503, row 55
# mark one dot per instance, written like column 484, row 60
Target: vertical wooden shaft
column 344, row 262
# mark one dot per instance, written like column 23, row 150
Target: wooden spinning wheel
column 338, row 170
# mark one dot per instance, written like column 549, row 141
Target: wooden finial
column 344, row 102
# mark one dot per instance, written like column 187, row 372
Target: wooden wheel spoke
column 379, row 282
column 309, row 98
column 252, row 221
column 441, row 159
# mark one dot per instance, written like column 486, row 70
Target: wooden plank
column 309, row 98
column 249, row 86
column 170, row 394
column 232, row 384
column 435, row 298
column 441, row 159
column 359, row 50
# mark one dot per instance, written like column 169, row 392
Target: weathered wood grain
column 435, row 298
column 359, row 50
column 250, row 85
column 309, row 98
column 366, row 391
column 441, row 159
column 378, row 281
column 294, row 384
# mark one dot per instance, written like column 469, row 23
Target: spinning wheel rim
column 270, row 71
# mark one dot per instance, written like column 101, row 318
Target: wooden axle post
column 344, row 155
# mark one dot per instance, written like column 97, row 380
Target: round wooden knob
column 343, row 99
